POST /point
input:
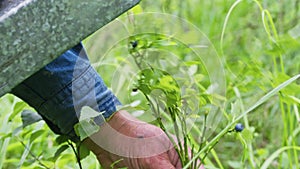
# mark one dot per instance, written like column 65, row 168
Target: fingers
column 174, row 158
column 161, row 161
column 140, row 145
column 165, row 164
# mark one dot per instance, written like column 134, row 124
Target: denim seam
column 65, row 86
column 78, row 77
column 34, row 91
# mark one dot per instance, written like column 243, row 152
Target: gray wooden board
column 35, row 32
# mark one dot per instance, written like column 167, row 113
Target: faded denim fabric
column 60, row 89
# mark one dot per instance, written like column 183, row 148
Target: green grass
column 254, row 46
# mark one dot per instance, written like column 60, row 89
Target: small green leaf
column 6, row 136
column 61, row 139
column 262, row 153
column 60, row 150
column 86, row 125
column 36, row 134
column 86, row 128
column 247, row 134
column 19, row 106
column 24, row 133
column 29, row 117
column 83, row 151
column 17, row 130
column 88, row 113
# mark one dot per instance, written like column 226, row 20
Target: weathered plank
column 34, row 32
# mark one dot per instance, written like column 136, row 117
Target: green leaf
column 152, row 80
column 263, row 153
column 61, row 139
column 60, row 150
column 24, row 133
column 247, row 134
column 83, row 151
column 17, row 130
column 292, row 89
column 86, row 128
column 88, row 113
column 19, row 106
column 4, row 136
column 29, row 117
column 86, row 125
column 36, row 134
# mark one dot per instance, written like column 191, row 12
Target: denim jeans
column 60, row 89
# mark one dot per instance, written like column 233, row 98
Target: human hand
column 124, row 141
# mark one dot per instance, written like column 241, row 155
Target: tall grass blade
column 268, row 161
column 226, row 22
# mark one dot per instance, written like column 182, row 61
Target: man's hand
column 127, row 142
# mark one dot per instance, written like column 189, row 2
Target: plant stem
column 77, row 155
column 30, row 152
column 161, row 125
column 249, row 145
column 210, row 148
column 203, row 133
column 173, row 116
